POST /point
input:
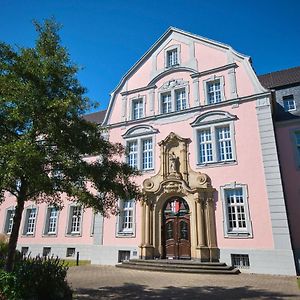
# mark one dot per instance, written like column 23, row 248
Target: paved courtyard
column 108, row 282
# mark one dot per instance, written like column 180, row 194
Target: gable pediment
column 213, row 117
column 139, row 130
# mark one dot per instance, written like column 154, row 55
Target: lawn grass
column 72, row 262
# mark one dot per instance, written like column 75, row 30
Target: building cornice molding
column 190, row 110
column 214, row 70
column 142, row 89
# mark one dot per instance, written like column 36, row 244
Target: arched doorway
column 176, row 237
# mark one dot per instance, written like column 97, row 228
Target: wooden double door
column 176, row 229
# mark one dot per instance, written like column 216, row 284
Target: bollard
column 77, row 259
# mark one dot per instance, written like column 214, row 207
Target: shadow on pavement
column 135, row 291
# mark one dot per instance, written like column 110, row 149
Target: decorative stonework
column 176, row 178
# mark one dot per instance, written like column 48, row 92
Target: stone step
column 179, row 266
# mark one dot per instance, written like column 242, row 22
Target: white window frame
column 138, row 134
column 71, row 209
column 48, row 221
column 178, row 92
column 140, row 152
column 9, row 215
column 212, row 79
column 212, row 121
column 288, row 99
column 28, row 217
column 133, row 101
column 171, row 49
column 236, row 232
column 213, row 128
column 126, row 231
column 168, row 105
column 171, row 88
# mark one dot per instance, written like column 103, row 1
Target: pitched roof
column 96, row 117
column 280, row 78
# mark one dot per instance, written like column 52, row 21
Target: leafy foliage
column 42, row 131
column 45, row 141
column 38, row 278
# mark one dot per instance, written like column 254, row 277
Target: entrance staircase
column 180, row 266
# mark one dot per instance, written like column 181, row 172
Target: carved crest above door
column 175, row 175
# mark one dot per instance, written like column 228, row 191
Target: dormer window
column 172, row 58
column 289, row 103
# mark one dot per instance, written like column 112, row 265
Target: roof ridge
column 278, row 71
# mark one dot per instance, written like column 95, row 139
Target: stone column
column 211, row 229
column 147, row 247
column 201, row 225
column 147, row 226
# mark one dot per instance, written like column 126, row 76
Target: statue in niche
column 174, row 161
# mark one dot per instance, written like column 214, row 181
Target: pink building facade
column 197, row 122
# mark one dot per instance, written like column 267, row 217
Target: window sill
column 51, row 235
column 30, row 235
column 125, row 235
column 172, row 66
column 147, row 171
column 217, row 164
column 238, row 235
column 73, row 235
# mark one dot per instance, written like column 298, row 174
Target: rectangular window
column 123, row 256
column 24, row 251
column 126, row 217
column 172, row 58
column 140, row 154
column 137, row 109
column 180, row 99
column 224, row 144
column 9, row 220
column 236, row 211
column 166, row 103
column 75, row 219
column 205, row 146
column 215, row 144
column 46, row 251
column 147, row 154
column 70, row 252
column 132, row 158
column 52, row 221
column 214, row 92
column 240, row 261
column 30, row 221
column 289, row 103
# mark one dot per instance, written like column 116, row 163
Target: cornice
column 215, row 70
column 190, row 110
column 144, row 88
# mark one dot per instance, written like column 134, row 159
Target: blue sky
column 106, row 37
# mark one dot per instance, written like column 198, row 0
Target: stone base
column 147, row 252
column 205, row 254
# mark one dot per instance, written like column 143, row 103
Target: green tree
column 44, row 139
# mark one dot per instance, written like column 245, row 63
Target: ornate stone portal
column 177, row 179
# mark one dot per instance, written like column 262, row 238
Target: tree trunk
column 12, row 245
